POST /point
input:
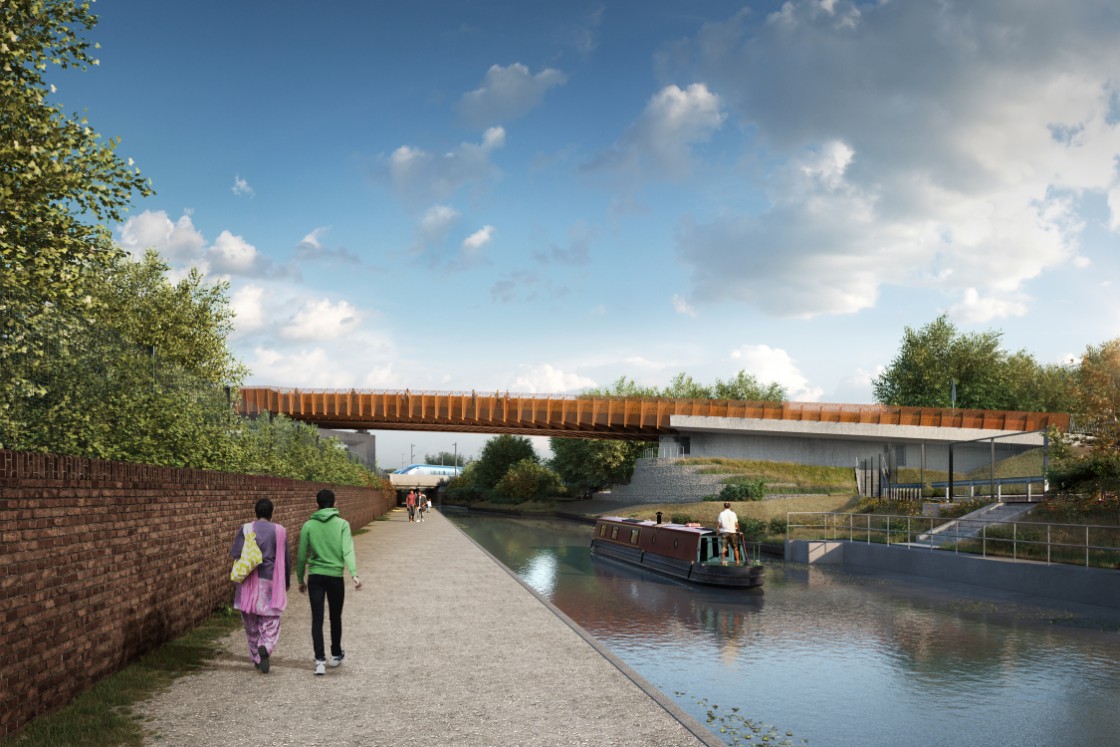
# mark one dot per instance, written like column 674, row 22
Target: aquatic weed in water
column 736, row 729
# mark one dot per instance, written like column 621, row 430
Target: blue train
column 440, row 470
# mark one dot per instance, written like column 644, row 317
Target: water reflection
column 837, row 657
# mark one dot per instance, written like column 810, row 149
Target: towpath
column 443, row 647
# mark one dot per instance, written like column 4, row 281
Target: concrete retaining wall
column 103, row 561
column 1056, row 581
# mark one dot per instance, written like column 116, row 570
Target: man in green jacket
column 325, row 546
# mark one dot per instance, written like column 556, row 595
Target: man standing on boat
column 727, row 526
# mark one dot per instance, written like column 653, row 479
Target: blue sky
column 542, row 197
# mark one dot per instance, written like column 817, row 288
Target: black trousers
column 333, row 589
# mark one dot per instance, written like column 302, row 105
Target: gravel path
column 443, row 647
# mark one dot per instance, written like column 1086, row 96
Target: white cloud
column 936, row 145
column 319, row 319
column 769, row 364
column 176, row 241
column 314, row 240
column 419, row 176
column 659, row 143
column 507, row 93
column 480, row 238
column 545, row 379
column 241, row 187
column 434, row 226
column 974, row 308
column 301, row 368
column 681, row 307
column 180, row 243
column 247, row 303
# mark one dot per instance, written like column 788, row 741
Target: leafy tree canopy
column 61, row 183
column 937, row 361
column 450, row 458
column 1087, row 461
column 497, row 456
column 587, row 465
column 744, row 386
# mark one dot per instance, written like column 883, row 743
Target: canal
column 834, row 657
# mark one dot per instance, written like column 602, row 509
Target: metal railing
column 1091, row 545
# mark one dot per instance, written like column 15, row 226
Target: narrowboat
column 688, row 552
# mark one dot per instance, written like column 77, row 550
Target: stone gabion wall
column 668, row 481
column 102, row 561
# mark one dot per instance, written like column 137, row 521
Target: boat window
column 633, row 536
column 614, row 533
column 675, row 542
column 602, row 530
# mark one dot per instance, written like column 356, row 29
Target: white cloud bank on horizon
column 938, row 145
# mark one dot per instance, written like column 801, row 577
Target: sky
column 543, row 197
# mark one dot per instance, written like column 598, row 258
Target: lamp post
column 411, row 453
column 455, row 446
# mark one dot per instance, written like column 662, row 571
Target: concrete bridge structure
column 804, row 432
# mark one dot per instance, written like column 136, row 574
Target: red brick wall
column 102, row 561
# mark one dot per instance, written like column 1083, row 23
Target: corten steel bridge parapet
column 583, row 416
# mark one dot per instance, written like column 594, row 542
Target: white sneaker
column 336, row 660
column 320, row 667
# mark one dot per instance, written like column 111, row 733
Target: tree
column 527, row 480
column 449, row 458
column 746, row 387
column 1087, row 461
column 498, row 455
column 683, row 386
column 623, row 387
column 587, row 465
column 55, row 171
column 936, row 362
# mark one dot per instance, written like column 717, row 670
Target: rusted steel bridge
column 581, row 416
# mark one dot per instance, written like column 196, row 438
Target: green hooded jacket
column 325, row 545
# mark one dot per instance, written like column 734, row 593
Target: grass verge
column 103, row 715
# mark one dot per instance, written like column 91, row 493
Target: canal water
column 834, row 657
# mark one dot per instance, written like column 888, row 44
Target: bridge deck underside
column 634, row 418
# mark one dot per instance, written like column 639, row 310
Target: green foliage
column 680, row 518
column 498, row 455
column 743, row 490
column 752, row 528
column 450, row 458
column 736, row 729
column 746, row 387
column 935, row 356
column 588, row 465
column 55, row 171
column 525, row 481
column 682, row 386
column 1087, row 462
column 777, row 525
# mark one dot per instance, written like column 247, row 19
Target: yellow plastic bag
column 250, row 556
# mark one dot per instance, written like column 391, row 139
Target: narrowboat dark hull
column 733, row 576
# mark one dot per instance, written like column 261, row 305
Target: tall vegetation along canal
column 833, row 657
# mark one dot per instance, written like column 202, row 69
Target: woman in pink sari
column 262, row 596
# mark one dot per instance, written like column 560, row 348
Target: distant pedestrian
column 262, row 596
column 325, row 548
column 727, row 526
column 410, row 504
column 420, row 506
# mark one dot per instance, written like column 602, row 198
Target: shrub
column 680, row 519
column 525, row 481
column 752, row 528
column 743, row 490
column 778, row 525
